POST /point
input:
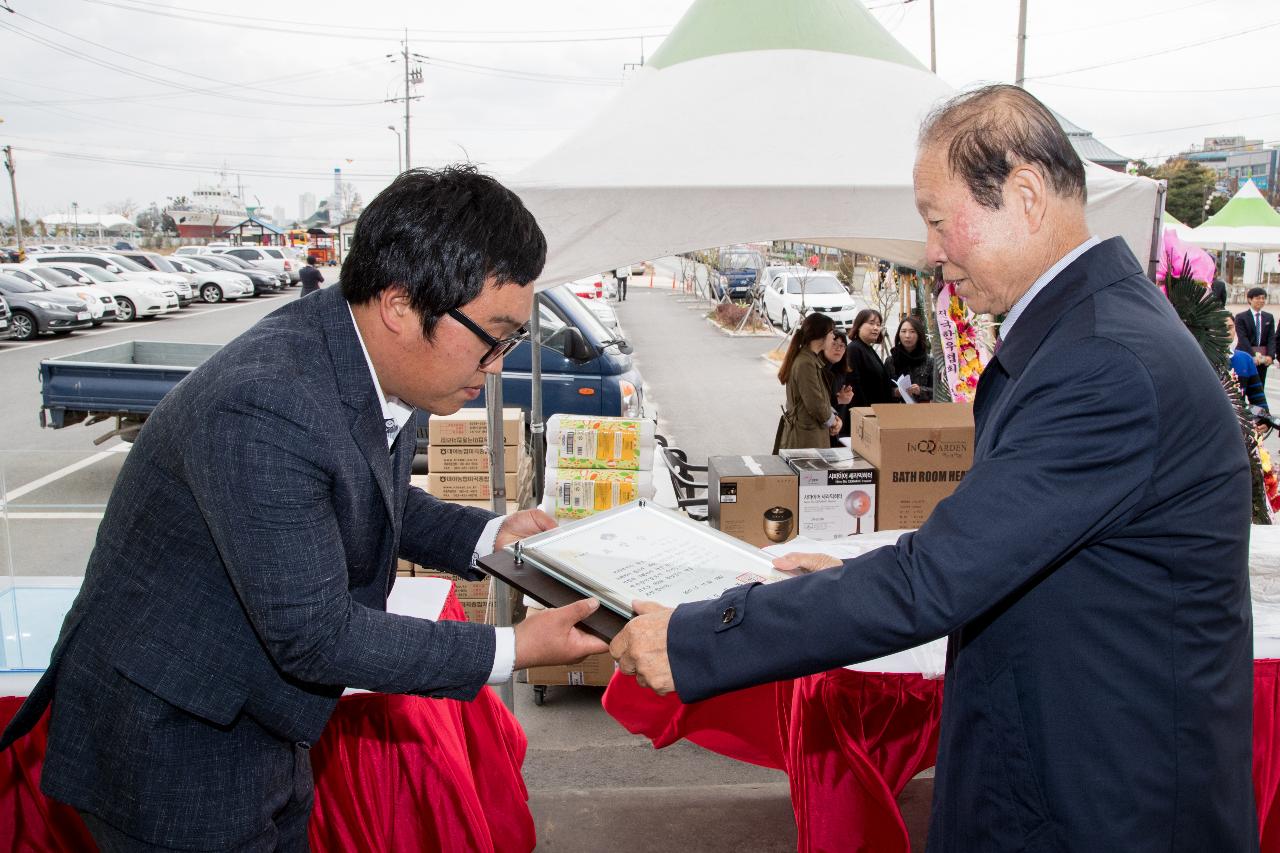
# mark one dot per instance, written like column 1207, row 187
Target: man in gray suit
column 240, row 576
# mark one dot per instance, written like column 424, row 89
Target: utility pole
column 1022, row 43
column 933, row 43
column 13, row 185
column 412, row 76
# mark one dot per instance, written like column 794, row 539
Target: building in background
column 306, row 205
column 1090, row 148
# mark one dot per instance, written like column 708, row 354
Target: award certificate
column 642, row 551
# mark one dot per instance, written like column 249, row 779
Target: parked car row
column 55, row 284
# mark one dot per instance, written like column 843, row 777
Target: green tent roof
column 1247, row 208
column 1169, row 219
column 713, row 27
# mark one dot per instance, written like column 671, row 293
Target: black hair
column 815, row 327
column 440, row 234
column 861, row 319
column 922, row 337
column 990, row 131
column 311, row 259
column 1255, row 291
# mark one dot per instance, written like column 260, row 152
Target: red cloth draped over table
column 391, row 773
column 850, row 741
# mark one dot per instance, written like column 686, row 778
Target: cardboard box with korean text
column 594, row 671
column 470, row 458
column 921, row 452
column 837, row 491
column 471, row 426
column 469, row 487
column 752, row 498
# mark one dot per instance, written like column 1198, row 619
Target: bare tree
column 126, row 208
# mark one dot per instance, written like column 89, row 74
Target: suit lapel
column 355, row 389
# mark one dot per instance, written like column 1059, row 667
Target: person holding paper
column 241, row 572
column 1090, row 569
column 910, row 358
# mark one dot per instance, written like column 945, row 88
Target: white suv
column 134, row 299
column 268, row 257
column 124, row 268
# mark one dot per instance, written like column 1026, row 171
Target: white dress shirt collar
column 395, row 414
column 1049, row 275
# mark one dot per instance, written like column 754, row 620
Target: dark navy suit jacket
column 1091, row 571
column 239, row 582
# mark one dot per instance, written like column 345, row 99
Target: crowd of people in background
column 826, row 374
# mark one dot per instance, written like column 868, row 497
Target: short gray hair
column 989, row 131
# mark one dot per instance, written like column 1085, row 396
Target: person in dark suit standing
column 310, row 276
column 241, row 571
column 1256, row 329
column 1091, row 569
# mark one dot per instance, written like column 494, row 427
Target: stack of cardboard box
column 458, row 472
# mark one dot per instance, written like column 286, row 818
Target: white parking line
column 20, row 491
column 54, row 516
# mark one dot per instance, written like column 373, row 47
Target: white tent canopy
column 726, row 156
column 1246, row 223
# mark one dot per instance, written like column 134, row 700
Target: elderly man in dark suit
column 1090, row 569
column 1256, row 330
column 241, row 572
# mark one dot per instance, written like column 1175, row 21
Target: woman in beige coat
column 808, row 419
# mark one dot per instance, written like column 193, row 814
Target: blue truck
column 739, row 272
column 585, row 370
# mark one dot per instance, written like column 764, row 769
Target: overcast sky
column 105, row 101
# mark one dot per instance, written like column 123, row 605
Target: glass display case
column 51, row 503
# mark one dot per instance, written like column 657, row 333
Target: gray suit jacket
column 239, row 582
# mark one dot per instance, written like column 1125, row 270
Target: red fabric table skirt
column 850, row 741
column 391, row 773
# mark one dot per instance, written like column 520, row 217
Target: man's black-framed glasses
column 497, row 348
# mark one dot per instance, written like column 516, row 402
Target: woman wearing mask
column 910, row 357
column 868, row 377
column 841, row 390
column 808, row 419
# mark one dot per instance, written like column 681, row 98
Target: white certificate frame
column 733, row 561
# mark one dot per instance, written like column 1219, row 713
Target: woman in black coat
column 841, row 391
column 910, row 357
column 867, row 375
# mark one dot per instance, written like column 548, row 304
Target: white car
column 191, row 250
column 267, row 257
column 102, row 305
column 790, row 296
column 124, row 268
column 134, row 299
column 213, row 284
column 603, row 311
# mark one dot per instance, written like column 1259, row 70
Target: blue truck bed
column 125, row 380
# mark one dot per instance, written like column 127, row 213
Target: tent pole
column 537, row 428
column 497, row 487
column 1157, row 231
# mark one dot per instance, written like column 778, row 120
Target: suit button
column 728, row 615
column 302, row 744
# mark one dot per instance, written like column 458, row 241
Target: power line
column 1181, row 47
column 346, row 34
column 221, row 84
column 1162, row 91
column 395, row 32
column 1189, row 126
column 1111, row 22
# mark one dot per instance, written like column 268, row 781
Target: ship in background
column 207, row 212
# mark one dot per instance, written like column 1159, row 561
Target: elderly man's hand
column 801, row 563
column 641, row 647
column 521, row 524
